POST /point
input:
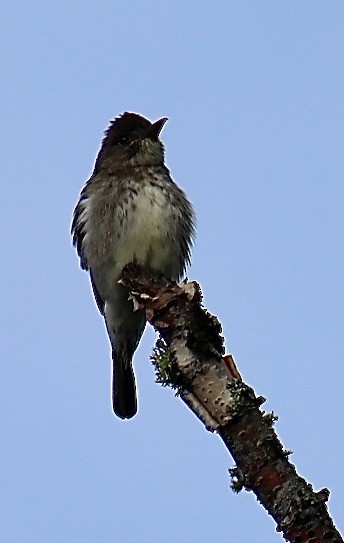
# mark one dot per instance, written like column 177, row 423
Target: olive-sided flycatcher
column 130, row 211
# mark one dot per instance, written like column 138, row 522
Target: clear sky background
column 254, row 93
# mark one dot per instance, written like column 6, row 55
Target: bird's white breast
column 149, row 235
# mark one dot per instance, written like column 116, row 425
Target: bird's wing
column 79, row 226
column 99, row 300
column 79, row 230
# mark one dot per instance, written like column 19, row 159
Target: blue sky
column 254, row 94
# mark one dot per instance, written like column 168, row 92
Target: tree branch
column 190, row 357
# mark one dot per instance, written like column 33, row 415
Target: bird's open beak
column 153, row 131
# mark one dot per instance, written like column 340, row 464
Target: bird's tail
column 123, row 387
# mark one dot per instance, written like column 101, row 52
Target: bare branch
column 190, row 358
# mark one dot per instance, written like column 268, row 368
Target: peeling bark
column 191, row 359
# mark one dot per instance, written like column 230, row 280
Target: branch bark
column 190, row 357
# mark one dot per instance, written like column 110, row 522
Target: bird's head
column 132, row 140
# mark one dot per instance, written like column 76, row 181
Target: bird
column 130, row 211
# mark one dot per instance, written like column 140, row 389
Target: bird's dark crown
column 131, row 140
column 126, row 128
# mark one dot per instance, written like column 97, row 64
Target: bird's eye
column 123, row 141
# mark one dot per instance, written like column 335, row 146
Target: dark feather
column 124, row 399
column 78, row 228
column 99, row 301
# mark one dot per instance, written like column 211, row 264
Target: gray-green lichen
column 270, row 418
column 237, row 479
column 167, row 372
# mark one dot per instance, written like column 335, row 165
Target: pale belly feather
column 149, row 234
